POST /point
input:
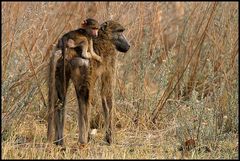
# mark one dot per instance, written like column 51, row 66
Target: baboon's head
column 114, row 31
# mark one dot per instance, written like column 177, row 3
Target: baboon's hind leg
column 83, row 93
column 55, row 55
column 60, row 102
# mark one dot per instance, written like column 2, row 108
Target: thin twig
column 160, row 104
column 33, row 70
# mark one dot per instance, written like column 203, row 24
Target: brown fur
column 86, row 45
column 84, row 76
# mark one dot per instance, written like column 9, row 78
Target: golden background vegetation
column 176, row 89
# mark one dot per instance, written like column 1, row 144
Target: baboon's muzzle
column 122, row 44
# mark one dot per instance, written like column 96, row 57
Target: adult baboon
column 110, row 39
column 78, row 43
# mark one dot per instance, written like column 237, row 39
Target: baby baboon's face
column 91, row 26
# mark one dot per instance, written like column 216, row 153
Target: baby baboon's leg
column 78, row 62
column 83, row 42
column 93, row 54
column 60, row 104
column 107, row 104
column 80, row 41
column 85, row 45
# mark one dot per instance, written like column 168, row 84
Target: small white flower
column 93, row 132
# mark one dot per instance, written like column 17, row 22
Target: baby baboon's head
column 91, row 26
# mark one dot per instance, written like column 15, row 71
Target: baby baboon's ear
column 84, row 23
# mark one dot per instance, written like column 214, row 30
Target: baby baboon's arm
column 93, row 54
column 87, row 48
column 80, row 41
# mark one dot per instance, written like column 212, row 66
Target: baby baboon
column 110, row 39
column 80, row 39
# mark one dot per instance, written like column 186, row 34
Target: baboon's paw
column 93, row 132
column 99, row 59
column 63, row 148
column 58, row 53
column 82, row 146
column 104, row 143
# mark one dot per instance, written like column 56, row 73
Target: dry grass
column 177, row 98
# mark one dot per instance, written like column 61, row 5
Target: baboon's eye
column 120, row 30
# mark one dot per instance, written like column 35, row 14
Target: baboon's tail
column 55, row 55
column 64, row 45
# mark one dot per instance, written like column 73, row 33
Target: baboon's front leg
column 60, row 105
column 107, row 104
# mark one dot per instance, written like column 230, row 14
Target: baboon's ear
column 104, row 26
column 84, row 23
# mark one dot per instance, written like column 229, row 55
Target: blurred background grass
column 176, row 90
